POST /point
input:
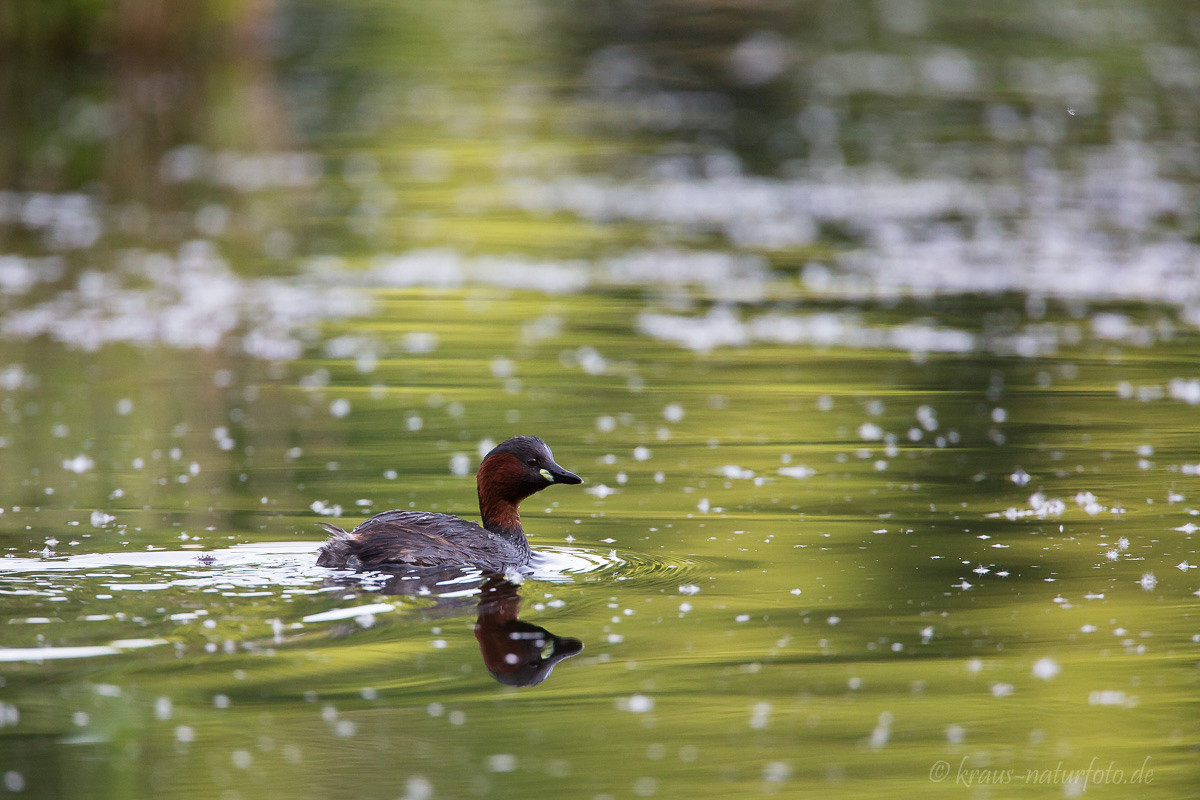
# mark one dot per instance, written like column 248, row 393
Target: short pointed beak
column 557, row 474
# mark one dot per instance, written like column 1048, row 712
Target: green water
column 871, row 327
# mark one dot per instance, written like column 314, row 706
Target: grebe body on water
column 512, row 471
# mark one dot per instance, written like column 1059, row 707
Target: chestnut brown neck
column 497, row 480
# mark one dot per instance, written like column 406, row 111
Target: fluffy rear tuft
column 337, row 550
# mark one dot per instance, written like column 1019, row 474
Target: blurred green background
column 870, row 325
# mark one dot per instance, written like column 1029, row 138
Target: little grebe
column 512, row 471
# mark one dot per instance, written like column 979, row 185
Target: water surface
column 872, row 328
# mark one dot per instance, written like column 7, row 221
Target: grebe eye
column 532, row 462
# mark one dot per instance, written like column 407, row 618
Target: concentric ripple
column 560, row 564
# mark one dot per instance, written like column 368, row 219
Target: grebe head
column 522, row 465
column 513, row 470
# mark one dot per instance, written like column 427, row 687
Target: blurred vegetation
column 73, row 31
column 97, row 91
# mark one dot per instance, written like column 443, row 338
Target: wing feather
column 425, row 539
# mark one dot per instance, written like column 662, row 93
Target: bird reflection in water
column 515, row 652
